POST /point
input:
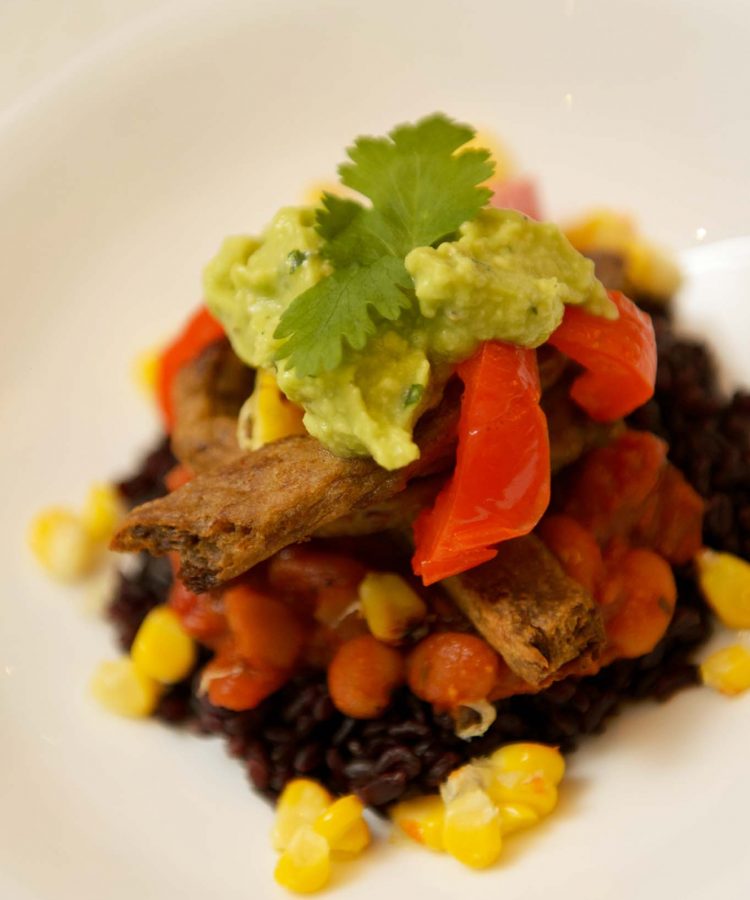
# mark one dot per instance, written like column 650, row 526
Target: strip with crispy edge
column 207, row 395
column 396, row 514
column 527, row 608
column 233, row 516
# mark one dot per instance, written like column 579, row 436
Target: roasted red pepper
column 233, row 683
column 628, row 490
column 200, row 331
column 619, row 357
column 500, row 486
column 201, row 614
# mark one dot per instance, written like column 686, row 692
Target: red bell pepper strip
column 201, row 330
column 500, row 486
column 619, row 357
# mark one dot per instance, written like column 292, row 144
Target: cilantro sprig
column 420, row 191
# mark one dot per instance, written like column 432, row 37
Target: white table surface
column 40, row 38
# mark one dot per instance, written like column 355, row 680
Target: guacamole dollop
column 366, row 406
column 505, row 278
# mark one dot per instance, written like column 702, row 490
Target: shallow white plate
column 116, row 184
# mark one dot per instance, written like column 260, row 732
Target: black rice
column 147, row 482
column 709, row 437
column 411, row 749
column 141, row 588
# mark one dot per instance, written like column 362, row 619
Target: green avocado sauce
column 504, row 278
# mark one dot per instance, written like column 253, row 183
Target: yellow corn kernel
column 61, row 544
column 517, row 816
column 602, row 229
column 305, row 865
column 162, row 649
column 145, row 370
column 300, row 804
column 727, row 670
column 338, row 819
column 390, row 606
column 102, row 510
column 651, row 270
column 526, row 774
column 354, row 842
column 271, row 415
column 121, row 688
column 532, row 759
column 499, row 153
column 314, row 193
column 463, row 780
column 519, row 787
column 725, row 583
column 422, row 820
column 472, row 831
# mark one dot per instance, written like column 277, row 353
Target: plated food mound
column 434, row 497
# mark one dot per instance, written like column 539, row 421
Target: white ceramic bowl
column 117, row 182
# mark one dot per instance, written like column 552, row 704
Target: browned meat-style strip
column 229, row 518
column 528, row 609
column 207, row 396
column 209, row 392
column 397, row 513
column 552, row 365
column 571, row 432
column 609, row 267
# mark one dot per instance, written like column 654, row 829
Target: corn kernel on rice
column 305, row 865
column 532, row 759
column 422, row 819
column 472, row 831
column 102, row 510
column 390, row 605
column 300, row 803
column 338, row 819
column 145, row 370
column 727, row 670
column 121, row 688
column 162, row 649
column 725, row 582
column 356, row 840
column 61, row 544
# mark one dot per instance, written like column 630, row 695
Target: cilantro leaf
column 420, row 190
column 349, row 236
column 339, row 306
column 334, row 215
